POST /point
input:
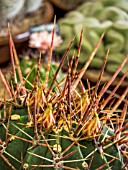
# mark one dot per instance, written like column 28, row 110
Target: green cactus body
column 30, row 65
column 25, row 154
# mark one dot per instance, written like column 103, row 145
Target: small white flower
column 42, row 41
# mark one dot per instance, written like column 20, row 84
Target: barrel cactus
column 29, row 67
column 62, row 125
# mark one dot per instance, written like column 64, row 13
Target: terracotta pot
column 67, row 4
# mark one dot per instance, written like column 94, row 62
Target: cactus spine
column 61, row 126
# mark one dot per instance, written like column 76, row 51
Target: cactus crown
column 61, row 125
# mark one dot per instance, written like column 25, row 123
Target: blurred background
column 95, row 16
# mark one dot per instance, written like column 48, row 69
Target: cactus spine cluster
column 62, row 125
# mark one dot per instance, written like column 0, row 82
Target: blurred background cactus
column 10, row 9
column 97, row 17
column 25, row 12
column 21, row 15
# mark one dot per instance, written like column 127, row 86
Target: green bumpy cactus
column 61, row 125
column 24, row 151
column 29, row 66
column 109, row 16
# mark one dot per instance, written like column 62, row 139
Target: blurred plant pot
column 67, row 4
column 20, row 44
column 20, row 30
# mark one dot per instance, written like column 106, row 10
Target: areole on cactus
column 60, row 126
